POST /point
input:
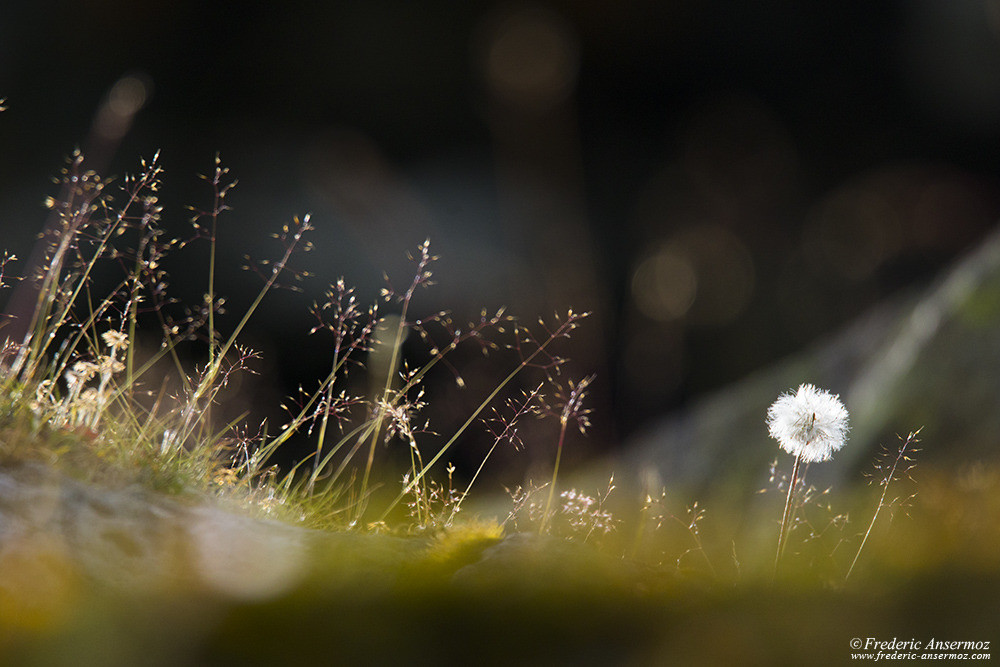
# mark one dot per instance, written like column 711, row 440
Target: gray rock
column 929, row 360
column 133, row 540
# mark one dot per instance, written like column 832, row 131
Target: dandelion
column 811, row 424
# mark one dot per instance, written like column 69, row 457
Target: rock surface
column 931, row 360
column 132, row 539
column 91, row 575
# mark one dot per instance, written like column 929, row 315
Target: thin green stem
column 211, row 288
column 213, row 369
column 468, row 488
column 868, row 532
column 468, row 422
column 886, row 481
column 390, row 373
column 525, row 362
column 555, row 474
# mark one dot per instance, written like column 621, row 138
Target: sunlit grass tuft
column 76, row 384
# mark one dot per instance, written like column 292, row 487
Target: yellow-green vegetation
column 463, row 543
column 370, row 598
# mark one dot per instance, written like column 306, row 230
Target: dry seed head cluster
column 116, row 340
column 82, row 405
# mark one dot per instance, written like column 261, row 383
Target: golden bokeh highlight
column 531, row 58
column 664, row 285
column 127, row 96
column 704, row 275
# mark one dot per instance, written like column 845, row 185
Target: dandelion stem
column 787, row 516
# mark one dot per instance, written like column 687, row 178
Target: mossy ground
column 476, row 596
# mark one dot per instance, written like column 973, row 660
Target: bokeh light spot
column 128, row 95
column 531, row 58
column 123, row 102
column 704, row 274
column 664, row 285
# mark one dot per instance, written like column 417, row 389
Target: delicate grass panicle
column 578, row 515
column 80, row 366
column 889, row 467
column 567, row 408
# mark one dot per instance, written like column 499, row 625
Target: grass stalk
column 560, row 332
column 885, row 482
column 564, row 422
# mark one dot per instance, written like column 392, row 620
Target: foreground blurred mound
column 91, row 575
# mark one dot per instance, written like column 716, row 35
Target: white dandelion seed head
column 810, row 423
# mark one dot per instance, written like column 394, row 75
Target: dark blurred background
column 720, row 183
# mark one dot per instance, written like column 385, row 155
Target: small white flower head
column 80, row 374
column 89, row 399
column 107, row 366
column 116, row 340
column 810, row 423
